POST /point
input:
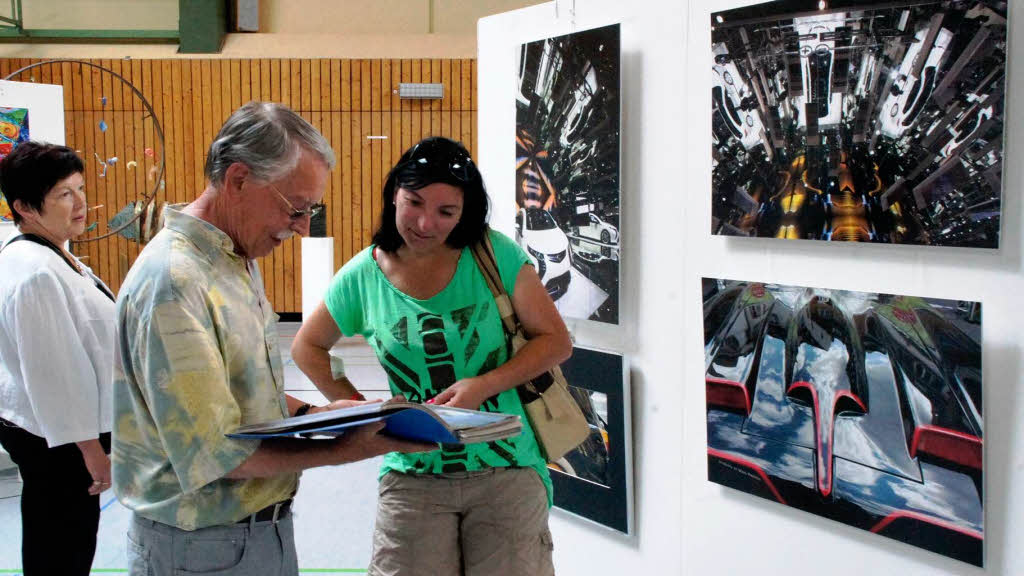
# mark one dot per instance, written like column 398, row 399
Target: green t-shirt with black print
column 427, row 345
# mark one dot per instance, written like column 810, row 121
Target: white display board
column 45, row 105
column 685, row 524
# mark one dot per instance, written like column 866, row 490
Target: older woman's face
column 63, row 213
column 426, row 217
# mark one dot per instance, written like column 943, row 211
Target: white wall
column 684, row 524
column 652, row 199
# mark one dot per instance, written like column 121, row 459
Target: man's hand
column 367, row 441
column 337, row 404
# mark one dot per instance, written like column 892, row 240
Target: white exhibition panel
column 651, row 277
column 45, row 104
column 317, row 271
column 684, row 524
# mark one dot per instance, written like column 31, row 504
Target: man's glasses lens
column 312, row 211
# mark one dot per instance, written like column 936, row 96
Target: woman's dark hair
column 32, row 170
column 436, row 160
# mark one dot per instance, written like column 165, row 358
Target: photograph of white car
column 548, row 247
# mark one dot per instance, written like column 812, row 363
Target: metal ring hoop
column 147, row 198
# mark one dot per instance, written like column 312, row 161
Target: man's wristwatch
column 303, row 410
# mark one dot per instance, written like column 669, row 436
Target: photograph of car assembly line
column 567, row 169
column 867, row 123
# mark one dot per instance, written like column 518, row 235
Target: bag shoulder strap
column 483, row 253
column 46, row 243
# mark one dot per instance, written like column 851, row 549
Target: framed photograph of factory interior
column 567, row 169
column 595, row 480
column 860, row 121
column 863, row 408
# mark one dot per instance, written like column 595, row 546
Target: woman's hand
column 340, row 404
column 467, row 393
column 98, row 465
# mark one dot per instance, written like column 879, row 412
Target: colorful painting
column 863, row 408
column 13, row 131
column 859, row 122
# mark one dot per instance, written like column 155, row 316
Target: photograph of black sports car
column 859, row 121
column 595, row 480
column 863, row 408
column 567, row 169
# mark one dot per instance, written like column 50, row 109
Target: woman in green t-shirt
column 418, row 297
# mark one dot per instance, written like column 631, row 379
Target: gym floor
column 334, row 509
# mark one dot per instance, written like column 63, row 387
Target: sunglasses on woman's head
column 458, row 163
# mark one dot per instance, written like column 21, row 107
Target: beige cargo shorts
column 490, row 522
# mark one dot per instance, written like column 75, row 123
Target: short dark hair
column 30, row 171
column 436, row 160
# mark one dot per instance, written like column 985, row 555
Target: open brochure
column 423, row 422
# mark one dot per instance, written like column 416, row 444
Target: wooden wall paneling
column 198, row 152
column 132, row 153
column 435, row 105
column 122, row 149
column 83, row 145
column 385, row 144
column 212, row 67
column 226, row 82
column 90, row 147
column 161, row 150
column 189, row 134
column 449, row 97
column 366, row 164
column 345, row 168
column 347, row 100
column 355, row 138
column 426, row 77
column 406, row 107
column 206, row 106
column 472, row 106
column 457, row 100
column 335, row 204
column 272, row 264
column 395, row 138
column 177, row 153
column 141, row 125
column 236, row 85
column 376, row 145
column 327, row 129
column 43, row 73
column 315, row 110
column 416, row 106
column 105, row 148
column 116, row 105
column 284, row 254
column 467, row 105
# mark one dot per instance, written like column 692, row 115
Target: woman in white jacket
column 56, row 337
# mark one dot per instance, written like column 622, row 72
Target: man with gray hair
column 197, row 357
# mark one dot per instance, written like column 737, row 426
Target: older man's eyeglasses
column 296, row 214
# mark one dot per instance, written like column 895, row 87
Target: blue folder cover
column 404, row 420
